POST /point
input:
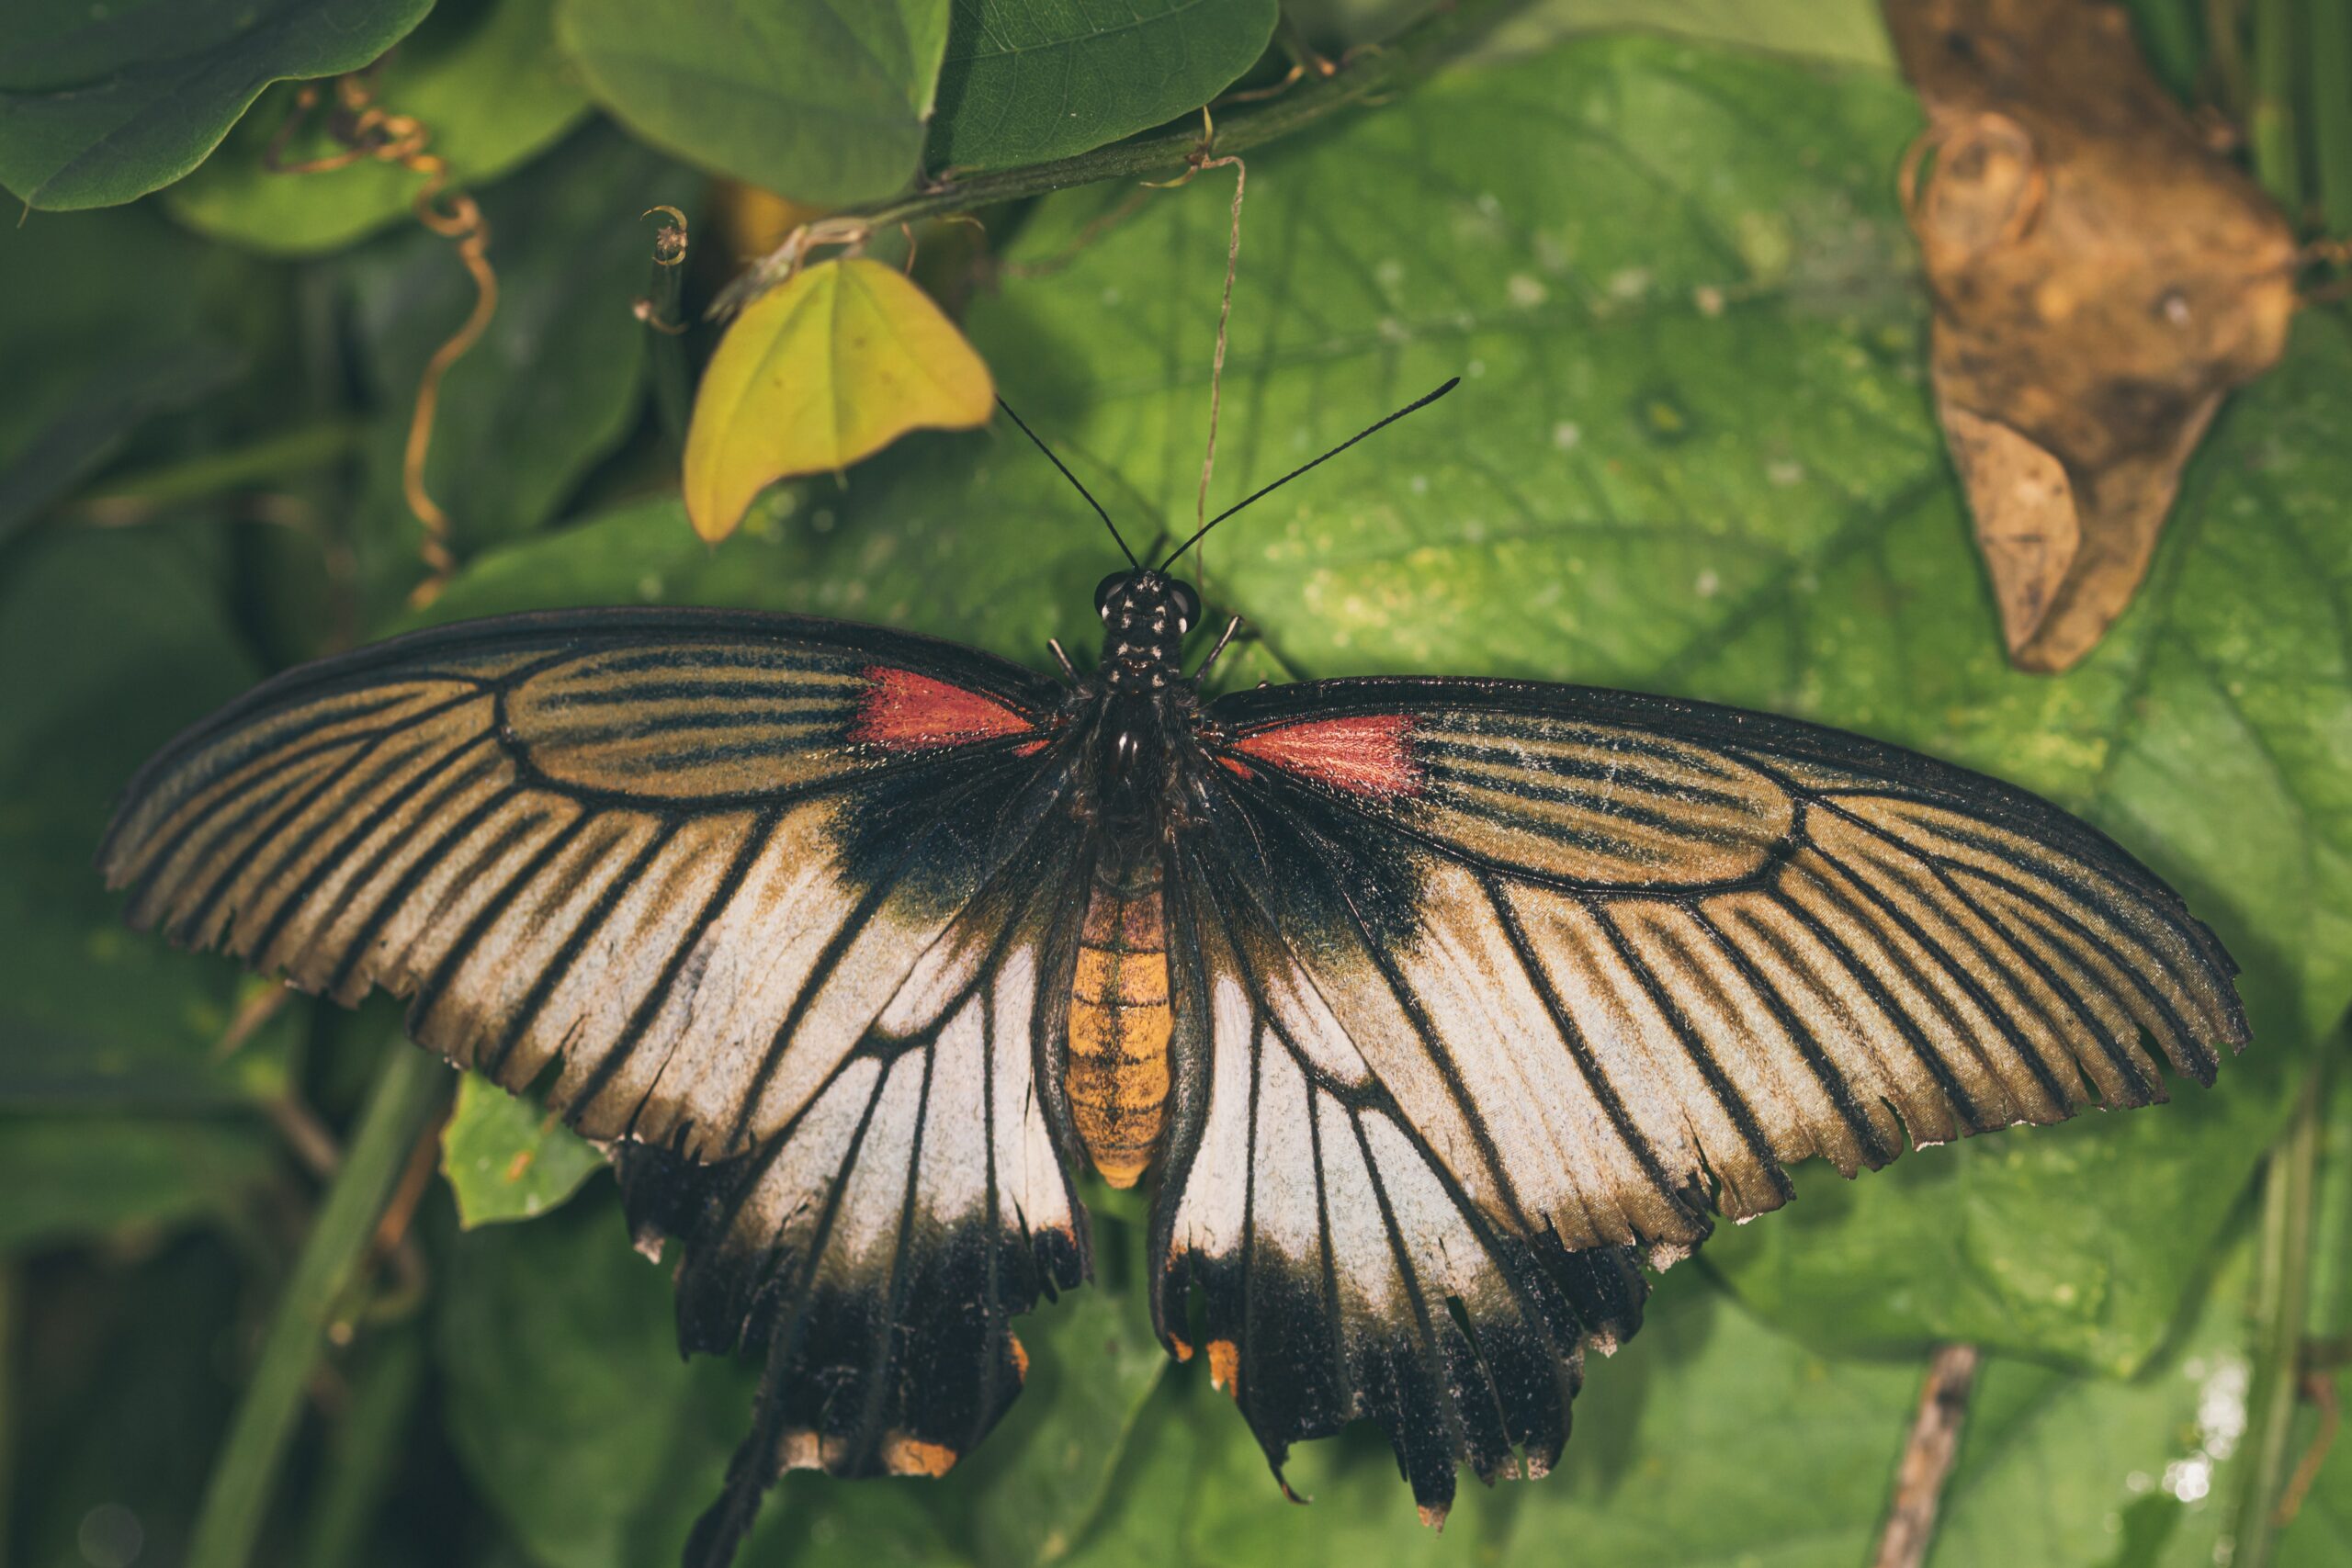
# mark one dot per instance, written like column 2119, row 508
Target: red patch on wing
column 908, row 712
column 1367, row 754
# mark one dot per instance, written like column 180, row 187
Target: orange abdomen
column 1119, row 1024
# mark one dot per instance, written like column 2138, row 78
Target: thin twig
column 462, row 222
column 1927, row 1458
column 1216, row 362
column 311, row 1141
column 365, row 129
column 2319, row 1388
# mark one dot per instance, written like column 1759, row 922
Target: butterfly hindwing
column 1347, row 1266
column 772, row 906
column 1564, row 972
column 880, row 1242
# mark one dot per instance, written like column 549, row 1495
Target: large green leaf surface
column 1691, row 452
column 825, row 101
column 102, row 104
column 480, row 77
column 2061, row 1469
column 1028, row 80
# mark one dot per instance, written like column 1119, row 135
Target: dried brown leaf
column 2101, row 279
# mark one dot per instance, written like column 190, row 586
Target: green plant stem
column 366, row 1447
column 2170, row 38
column 2225, row 56
column 236, row 1499
column 1396, row 65
column 2270, row 116
column 2331, row 1308
column 8, row 1396
column 2330, row 98
column 2282, row 1306
column 242, row 467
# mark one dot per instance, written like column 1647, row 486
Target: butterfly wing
column 1497, row 987
column 770, row 903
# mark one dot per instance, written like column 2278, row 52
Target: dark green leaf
column 113, row 642
column 1028, row 80
column 820, row 100
column 567, row 1399
column 118, row 322
column 506, row 1158
column 116, row 1399
column 555, row 382
column 1711, row 1439
column 72, row 1178
column 1027, row 1496
column 116, row 398
column 97, row 108
column 481, row 76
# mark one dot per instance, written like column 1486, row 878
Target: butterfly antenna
column 1416, row 404
column 1081, row 489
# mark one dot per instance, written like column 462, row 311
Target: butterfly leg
column 1224, row 638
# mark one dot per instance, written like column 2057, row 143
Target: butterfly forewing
column 778, row 903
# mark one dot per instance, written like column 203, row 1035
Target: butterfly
column 1440, row 1007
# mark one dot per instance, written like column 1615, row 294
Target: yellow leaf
column 831, row 368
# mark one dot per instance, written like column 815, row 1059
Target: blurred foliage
column 1693, row 452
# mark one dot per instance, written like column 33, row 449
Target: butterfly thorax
column 1145, row 618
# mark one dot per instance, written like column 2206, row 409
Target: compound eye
column 1188, row 605
column 1104, row 589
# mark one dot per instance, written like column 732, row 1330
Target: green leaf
column 1849, row 32
column 1692, row 453
column 74, row 1177
column 556, row 380
column 116, row 1396
column 483, row 78
column 506, row 1158
column 112, row 335
column 113, row 642
column 568, row 1403
column 98, row 108
column 2320, row 1535
column 1024, row 81
column 1029, row 1493
column 1711, row 1439
column 823, row 101
column 2065, row 1470
column 1846, row 31
column 1708, row 1440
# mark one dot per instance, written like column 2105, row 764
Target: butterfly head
column 1146, row 614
